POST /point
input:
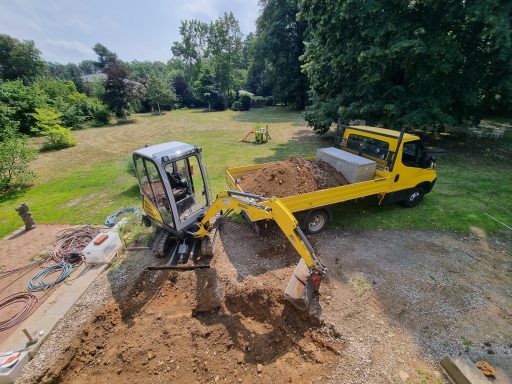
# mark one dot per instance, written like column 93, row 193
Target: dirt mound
column 292, row 177
column 194, row 327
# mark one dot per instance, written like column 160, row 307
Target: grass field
column 85, row 183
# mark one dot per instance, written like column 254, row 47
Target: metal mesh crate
column 353, row 167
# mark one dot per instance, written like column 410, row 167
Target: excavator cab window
column 152, row 188
column 187, row 184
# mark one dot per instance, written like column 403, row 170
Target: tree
column 157, row 92
column 22, row 100
column 118, row 92
column 225, row 54
column 105, row 57
column 48, row 124
column 20, row 60
column 416, row 64
column 88, row 67
column 15, row 157
column 193, row 46
column 67, row 72
column 277, row 48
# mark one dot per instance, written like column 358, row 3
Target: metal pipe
column 245, row 194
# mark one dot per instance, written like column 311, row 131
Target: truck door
column 413, row 166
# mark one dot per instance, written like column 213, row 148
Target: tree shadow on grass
column 132, row 191
column 12, row 194
column 269, row 115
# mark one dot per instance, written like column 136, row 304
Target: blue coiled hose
column 38, row 282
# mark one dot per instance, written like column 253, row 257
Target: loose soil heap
column 292, row 177
column 200, row 327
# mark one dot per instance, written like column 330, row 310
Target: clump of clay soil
column 292, row 177
column 196, row 327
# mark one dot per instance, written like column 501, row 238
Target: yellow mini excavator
column 177, row 199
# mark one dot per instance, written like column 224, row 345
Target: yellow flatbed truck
column 404, row 173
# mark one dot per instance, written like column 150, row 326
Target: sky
column 66, row 30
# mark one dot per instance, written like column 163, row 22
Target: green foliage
column 106, row 57
column 88, row 67
column 275, row 51
column 77, row 108
column 21, row 101
column 245, row 102
column 134, row 232
column 20, row 60
column 118, row 92
column 416, row 64
column 15, row 157
column 225, row 53
column 158, row 92
column 67, row 72
column 236, row 106
column 48, row 122
column 213, row 61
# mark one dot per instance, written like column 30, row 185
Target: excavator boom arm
column 308, row 272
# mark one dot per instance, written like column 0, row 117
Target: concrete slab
column 462, row 370
column 46, row 316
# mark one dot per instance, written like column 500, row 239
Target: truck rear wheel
column 315, row 221
column 414, row 197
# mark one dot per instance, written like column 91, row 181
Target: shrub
column 48, row 125
column 101, row 114
column 217, row 102
column 245, row 102
column 15, row 157
column 236, row 106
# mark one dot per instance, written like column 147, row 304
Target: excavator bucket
column 301, row 287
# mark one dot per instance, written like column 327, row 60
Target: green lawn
column 85, row 183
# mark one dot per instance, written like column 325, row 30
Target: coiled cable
column 38, row 282
column 29, row 303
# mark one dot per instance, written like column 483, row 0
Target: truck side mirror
column 427, row 162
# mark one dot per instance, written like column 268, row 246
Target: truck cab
column 399, row 155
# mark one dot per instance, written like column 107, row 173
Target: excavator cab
column 173, row 185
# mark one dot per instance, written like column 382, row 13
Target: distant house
column 88, row 79
column 244, row 92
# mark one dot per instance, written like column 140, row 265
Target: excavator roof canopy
column 165, row 152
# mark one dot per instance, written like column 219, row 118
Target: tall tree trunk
column 158, row 104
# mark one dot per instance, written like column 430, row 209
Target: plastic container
column 9, row 373
column 103, row 252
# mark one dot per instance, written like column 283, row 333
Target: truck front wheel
column 414, row 197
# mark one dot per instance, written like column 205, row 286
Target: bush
column 217, row 102
column 245, row 102
column 48, row 125
column 101, row 116
column 236, row 106
column 15, row 157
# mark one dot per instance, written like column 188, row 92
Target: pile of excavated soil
column 198, row 327
column 292, row 177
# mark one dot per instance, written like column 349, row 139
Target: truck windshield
column 187, row 184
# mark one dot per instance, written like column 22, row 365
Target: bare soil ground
column 394, row 304
column 292, row 177
column 19, row 249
